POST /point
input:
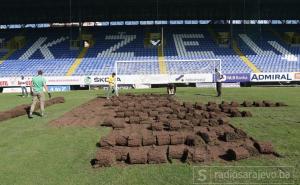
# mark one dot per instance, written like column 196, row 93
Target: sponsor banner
column 65, row 80
column 121, row 79
column 51, row 88
column 51, row 80
column 3, row 83
column 155, row 79
column 213, row 85
column 13, row 81
column 235, row 77
column 99, row 80
column 272, row 77
column 124, row 86
column 152, row 79
column 191, row 78
column 142, row 86
column 297, row 76
column 14, row 90
column 131, row 79
column 59, row 88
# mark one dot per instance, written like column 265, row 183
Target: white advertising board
column 147, row 79
column 51, row 80
column 272, row 77
column 154, row 79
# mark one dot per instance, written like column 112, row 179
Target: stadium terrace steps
column 161, row 60
column 244, row 58
column 77, row 62
column 162, row 65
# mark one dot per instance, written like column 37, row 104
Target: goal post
column 150, row 68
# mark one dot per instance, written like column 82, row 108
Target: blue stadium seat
column 48, row 49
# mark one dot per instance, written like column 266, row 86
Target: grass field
column 32, row 152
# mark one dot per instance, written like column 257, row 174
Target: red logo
column 297, row 76
column 28, row 83
column 3, row 83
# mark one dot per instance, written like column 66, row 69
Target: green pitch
column 32, row 152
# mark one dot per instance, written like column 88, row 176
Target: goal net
column 198, row 66
column 163, row 72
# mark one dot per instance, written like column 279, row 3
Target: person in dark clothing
column 219, row 78
column 171, row 89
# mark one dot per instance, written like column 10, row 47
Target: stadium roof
column 50, row 11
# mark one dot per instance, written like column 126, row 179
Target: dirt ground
column 152, row 129
column 91, row 113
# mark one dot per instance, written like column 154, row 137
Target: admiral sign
column 271, row 77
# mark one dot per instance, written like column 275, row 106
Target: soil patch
column 156, row 129
column 91, row 113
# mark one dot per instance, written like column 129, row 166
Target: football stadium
column 140, row 92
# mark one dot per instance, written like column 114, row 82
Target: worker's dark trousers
column 219, row 88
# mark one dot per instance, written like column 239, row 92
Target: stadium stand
column 195, row 46
column 49, row 49
column 269, row 53
column 119, row 44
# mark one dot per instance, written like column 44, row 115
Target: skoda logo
column 87, row 80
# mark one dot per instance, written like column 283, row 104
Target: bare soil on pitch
column 152, row 129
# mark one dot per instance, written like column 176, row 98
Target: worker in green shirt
column 37, row 92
